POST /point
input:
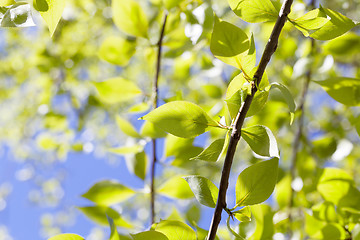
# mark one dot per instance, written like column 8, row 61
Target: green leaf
column 4, row 3
column 337, row 26
column 151, row 131
column 346, row 45
column 342, row 89
column 176, row 187
column 182, row 119
column 204, row 190
column 116, row 90
column 130, row 18
column 174, row 145
column 357, row 125
column 137, row 163
column 254, row 10
column 261, row 140
column 50, row 11
column 117, row 50
column 237, row 236
column 18, row 15
column 175, row 230
column 147, row 235
column 288, row 98
column 100, row 214
column 228, row 42
column 127, row 150
column 211, row 153
column 325, row 211
column 310, row 22
column 169, row 4
column 114, row 235
column 193, row 214
column 108, row 193
column 67, row 236
column 127, row 127
column 256, row 183
column 264, row 222
column 356, row 232
column 243, row 215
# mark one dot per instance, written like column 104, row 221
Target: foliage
column 94, row 78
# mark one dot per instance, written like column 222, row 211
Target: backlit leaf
column 108, row 192
column 243, row 215
column 100, row 214
column 288, row 98
column 211, row 153
column 204, row 190
column 127, row 127
column 176, row 187
column 150, row 130
column 50, row 11
column 67, row 236
column 182, row 119
column 175, row 230
column 117, row 50
column 254, row 10
column 114, row 235
column 4, row 3
column 147, row 235
column 256, row 183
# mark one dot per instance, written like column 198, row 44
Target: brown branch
column 299, row 132
column 239, row 120
column 155, row 91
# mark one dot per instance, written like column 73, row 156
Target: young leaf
column 50, row 11
column 182, row 119
column 237, row 236
column 342, row 89
column 150, row 130
column 114, row 235
column 108, row 193
column 5, row 3
column 310, row 22
column 288, row 98
column 337, row 26
column 175, row 230
column 100, row 215
column 130, row 18
column 325, row 211
column 228, row 42
column 67, row 236
column 211, row 153
column 254, row 10
column 147, row 235
column 262, row 214
column 137, row 163
column 116, row 90
column 117, row 50
column 243, row 215
column 204, row 190
column 346, row 45
column 256, row 183
column 176, row 187
column 261, row 140
column 127, row 127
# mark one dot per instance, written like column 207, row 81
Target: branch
column 239, row 120
column 155, row 92
column 299, row 133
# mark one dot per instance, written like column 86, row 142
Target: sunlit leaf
column 204, row 190
column 310, row 22
column 50, row 11
column 100, row 214
column 137, row 164
column 288, row 98
column 67, row 236
column 256, row 183
column 127, row 149
column 117, row 50
column 175, row 230
column 127, row 127
column 116, row 90
column 147, row 235
column 108, row 192
column 261, row 140
column 325, row 211
column 211, row 153
column 176, row 187
column 254, row 10
column 18, row 15
column 114, row 235
column 243, row 215
column 342, row 89
column 4, row 3
column 130, row 18
column 264, row 222
column 150, row 130
column 182, row 119
column 345, row 45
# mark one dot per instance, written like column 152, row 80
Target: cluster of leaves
column 337, row 214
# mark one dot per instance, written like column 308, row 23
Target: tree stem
column 239, row 120
column 155, row 91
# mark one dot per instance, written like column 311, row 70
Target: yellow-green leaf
column 50, row 11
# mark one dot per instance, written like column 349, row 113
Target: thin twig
column 155, row 91
column 299, row 132
column 239, row 120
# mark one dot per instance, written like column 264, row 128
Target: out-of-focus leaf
column 50, row 11
column 127, row 127
column 114, row 235
column 150, row 130
column 117, row 50
column 204, row 190
column 288, row 98
column 116, row 90
column 345, row 45
column 127, row 150
column 342, row 89
column 18, row 15
column 176, row 187
column 256, row 183
column 67, row 236
column 211, row 153
column 325, row 211
column 175, row 230
column 100, row 214
column 147, row 235
column 130, row 18
column 108, row 193
column 182, row 119
column 264, row 222
column 254, row 10
column 137, row 164
column 4, row 3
